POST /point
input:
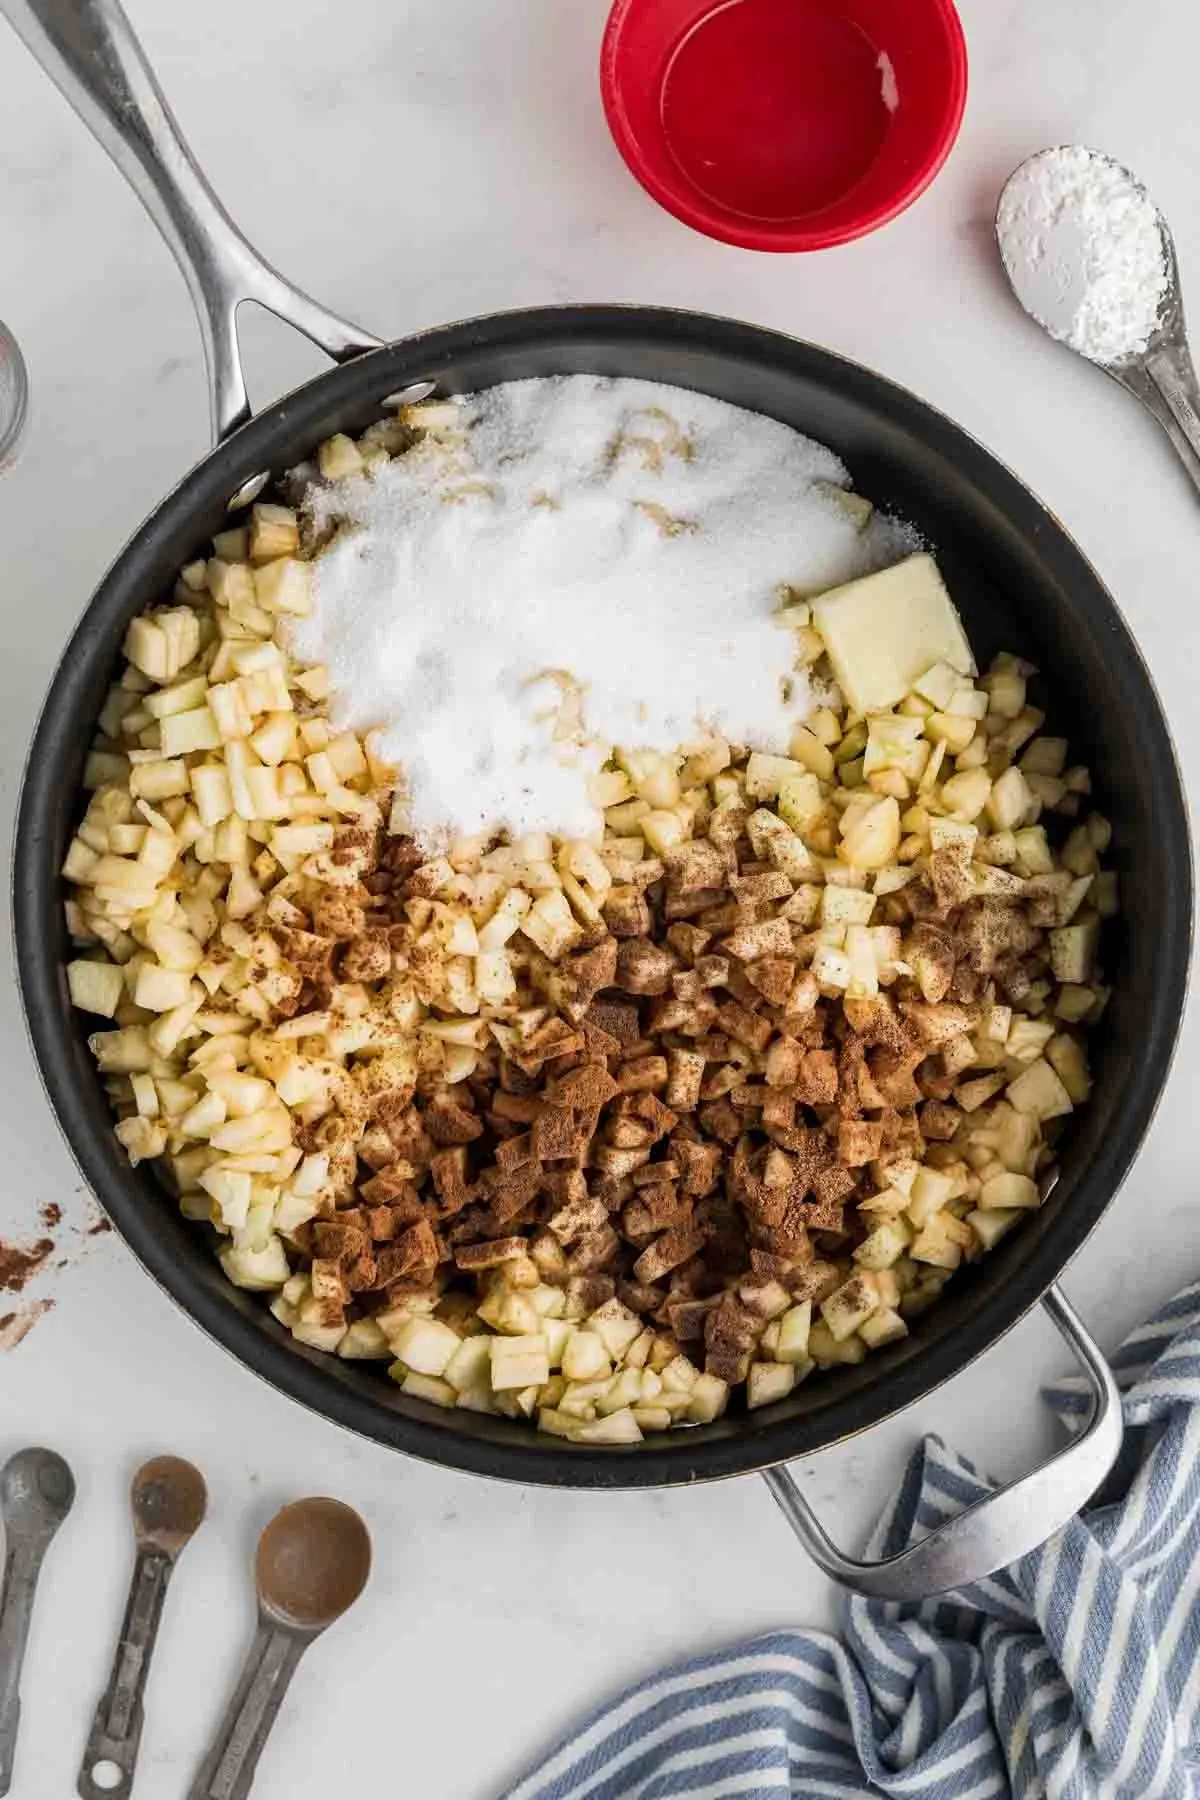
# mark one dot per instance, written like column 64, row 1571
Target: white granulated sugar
column 1083, row 247
column 614, row 534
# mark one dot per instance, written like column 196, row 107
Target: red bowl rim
column 712, row 221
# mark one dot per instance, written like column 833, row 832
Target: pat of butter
column 883, row 631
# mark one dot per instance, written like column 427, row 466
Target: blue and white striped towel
column 1073, row 1675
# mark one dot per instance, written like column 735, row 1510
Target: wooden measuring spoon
column 312, row 1564
column 168, row 1499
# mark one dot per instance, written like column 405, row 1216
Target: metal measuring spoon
column 168, row 1499
column 1161, row 376
column 312, row 1564
column 37, row 1491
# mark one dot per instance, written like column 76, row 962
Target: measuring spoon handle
column 228, row 1770
column 22, row 1566
column 117, row 1728
column 1164, row 380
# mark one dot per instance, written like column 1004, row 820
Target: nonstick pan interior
column 1020, row 584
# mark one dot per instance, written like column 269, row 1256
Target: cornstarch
column 574, row 563
column 1084, row 250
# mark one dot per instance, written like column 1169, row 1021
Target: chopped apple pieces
column 590, row 1133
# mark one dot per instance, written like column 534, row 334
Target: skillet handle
column 994, row 1531
column 89, row 50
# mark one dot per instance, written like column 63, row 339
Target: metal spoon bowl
column 312, row 1564
column 1161, row 376
column 168, row 1500
column 37, row 1491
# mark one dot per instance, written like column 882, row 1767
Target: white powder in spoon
column 1083, row 247
column 618, row 536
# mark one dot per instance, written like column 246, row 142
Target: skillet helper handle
column 228, row 1770
column 994, row 1531
column 117, row 1729
column 89, row 50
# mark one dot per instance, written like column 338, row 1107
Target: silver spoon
column 1161, row 376
column 312, row 1564
column 37, row 1491
column 168, row 1500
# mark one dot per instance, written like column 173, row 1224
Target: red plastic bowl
column 784, row 124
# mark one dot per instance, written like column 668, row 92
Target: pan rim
column 514, row 1452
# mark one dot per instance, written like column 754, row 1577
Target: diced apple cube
column 426, row 1345
column 652, row 1418
column 1073, row 951
column 259, row 1270
column 800, row 800
column 931, row 1189
column 557, row 1333
column 1027, row 1039
column 885, row 1245
column 794, row 1328
column 273, row 532
column 825, row 1350
column 284, row 586
column 883, row 1327
column 519, row 1362
column 845, row 1309
column 230, row 1191
column 1008, row 1190
column 616, row 1325
column 895, row 741
column 161, row 990
column 185, row 732
column 846, row 906
column 625, row 1389
column 470, row 1364
column 427, row 1387
column 768, row 1382
column 1066, row 1057
column 141, row 1139
column 765, row 775
column 966, row 794
column 617, row 1428
column 967, row 703
column 320, row 1337
column 832, row 968
column 951, row 730
column 510, row 1312
column 989, row 1227
column 363, row 1342
column 938, row 685
column 1038, row 1091
column 551, row 925
column 95, row 987
column 871, row 831
column 679, row 1376
column 585, row 1357
column 949, row 834
column 934, row 1244
column 707, row 1400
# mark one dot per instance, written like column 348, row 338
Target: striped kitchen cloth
column 1073, row 1675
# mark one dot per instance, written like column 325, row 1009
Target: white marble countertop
column 414, row 163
